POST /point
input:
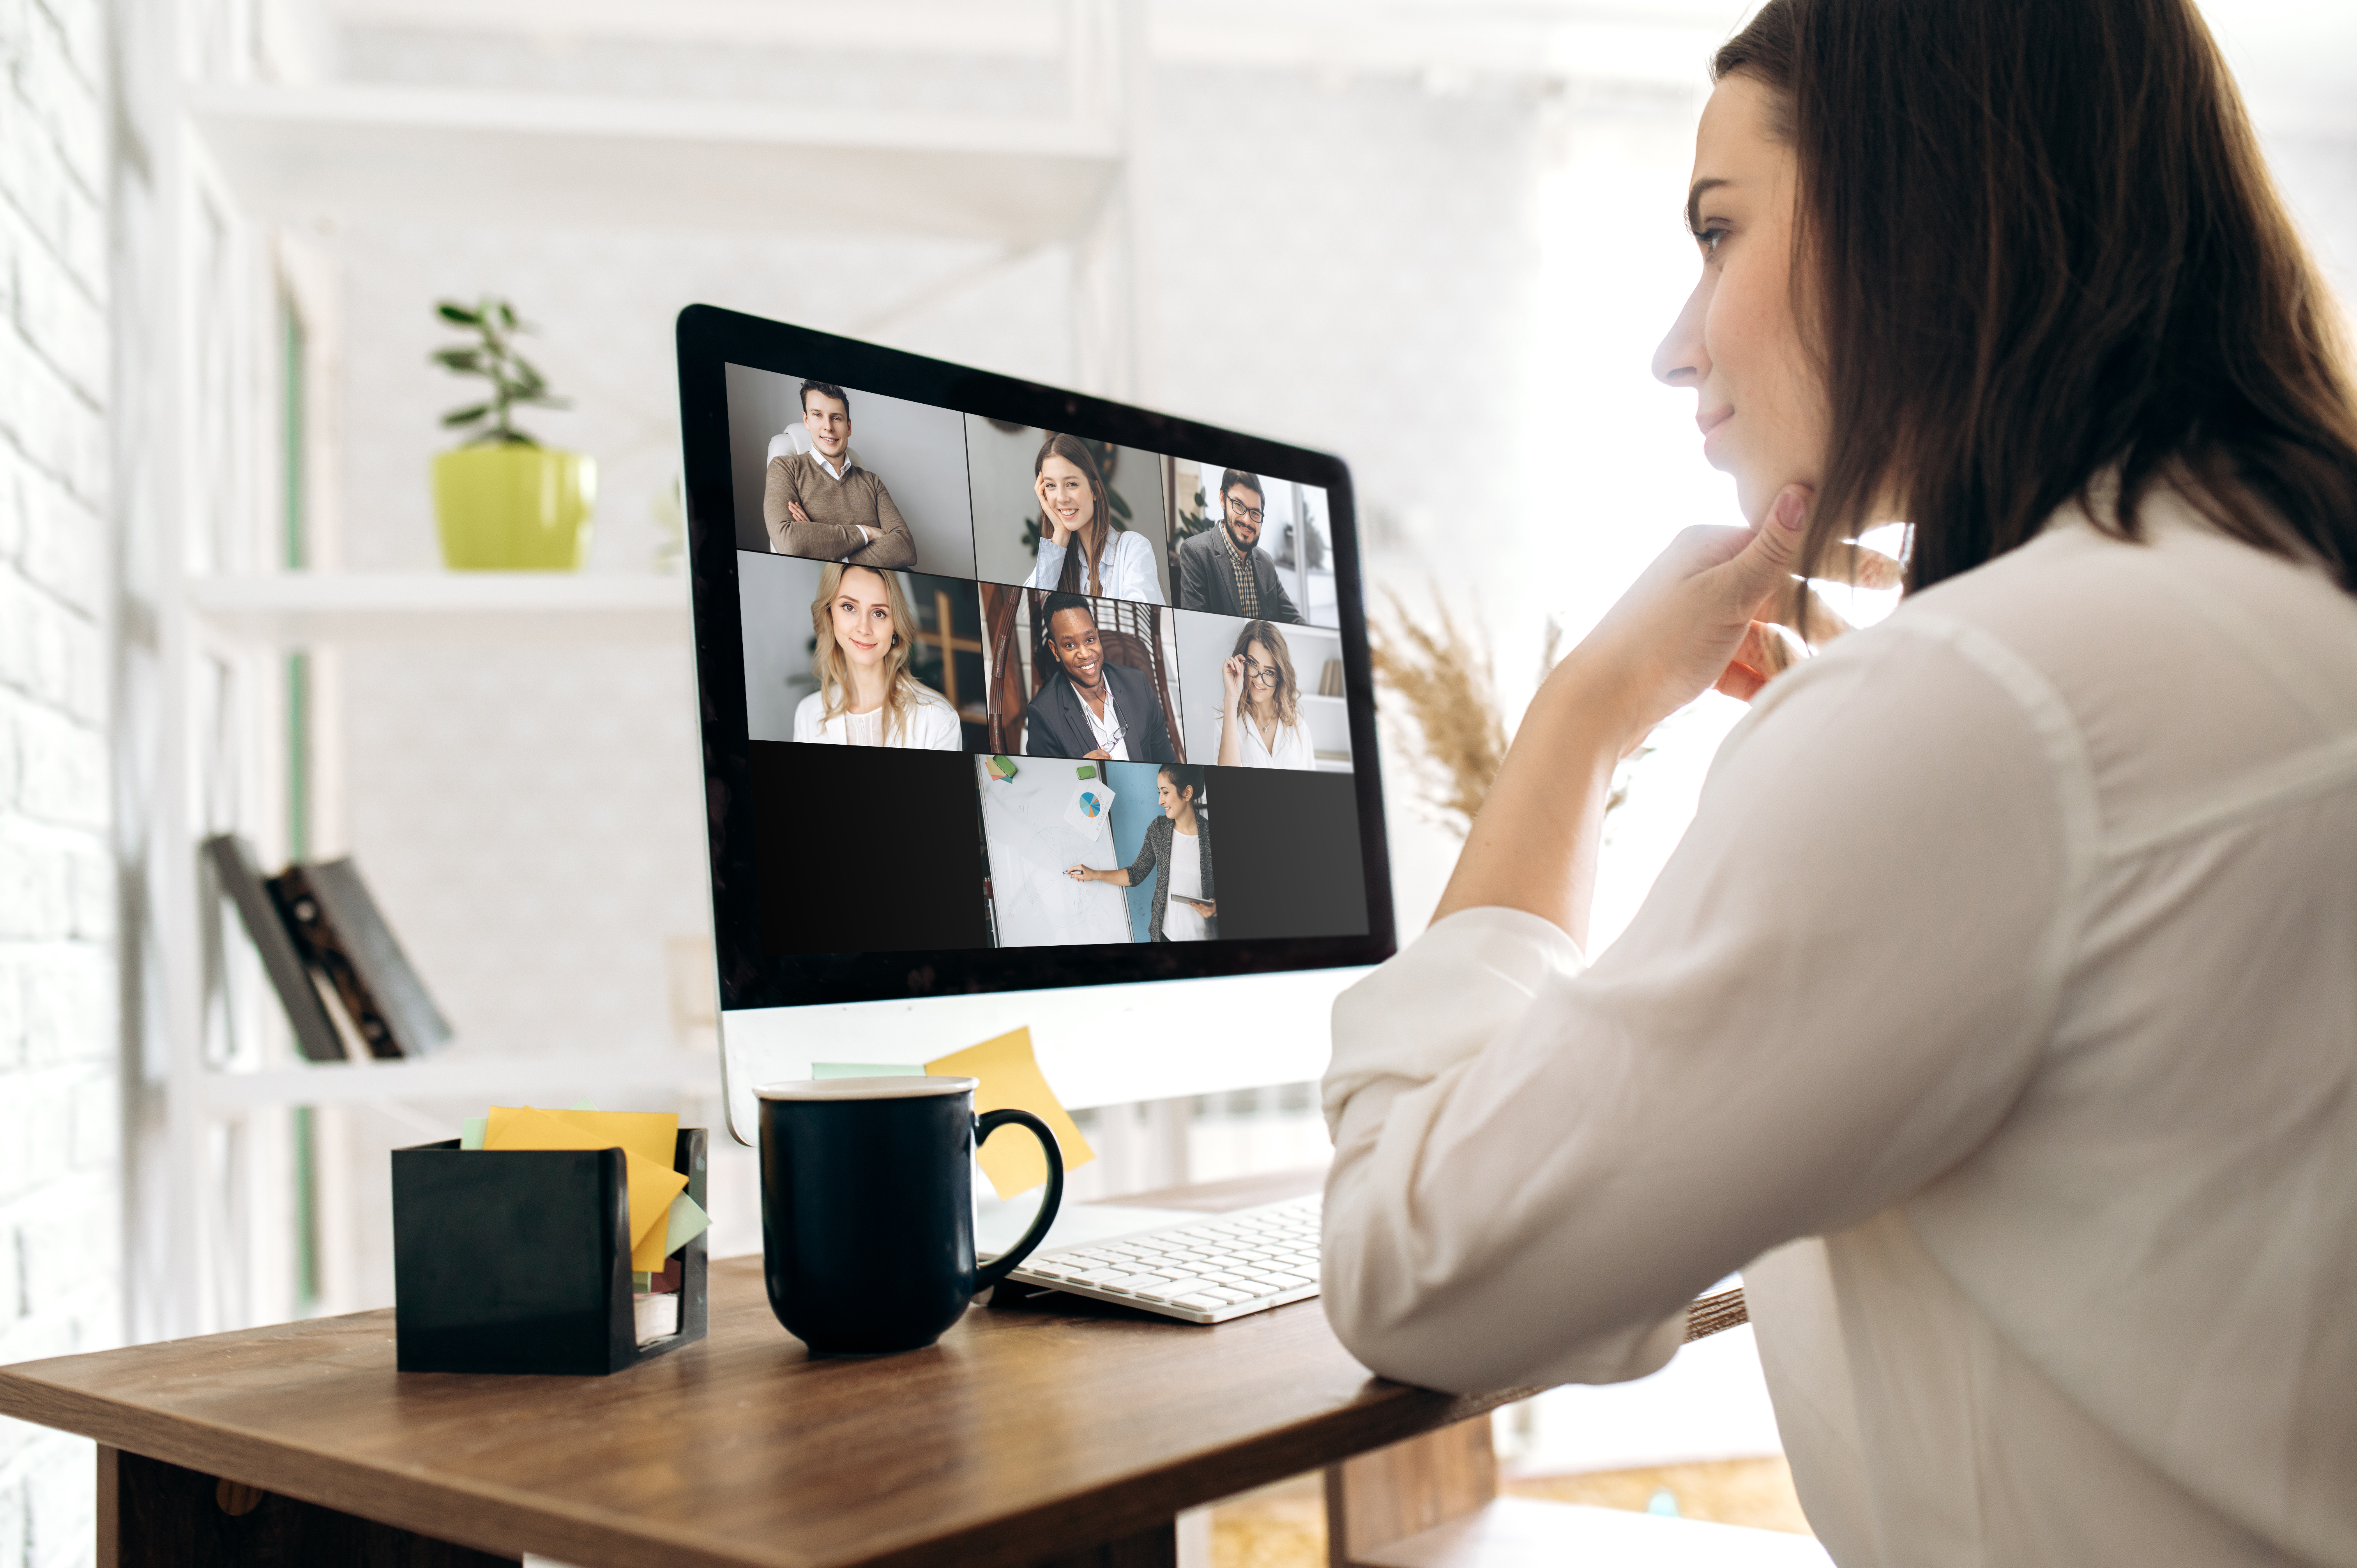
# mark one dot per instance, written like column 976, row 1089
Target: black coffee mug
column 867, row 1207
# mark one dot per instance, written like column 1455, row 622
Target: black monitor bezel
column 709, row 338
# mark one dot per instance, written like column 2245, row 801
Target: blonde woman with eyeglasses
column 863, row 632
column 1260, row 724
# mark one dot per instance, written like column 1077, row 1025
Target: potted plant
column 502, row 502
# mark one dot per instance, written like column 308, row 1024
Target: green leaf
column 1120, row 507
column 507, row 314
column 467, row 415
column 464, row 359
column 452, row 311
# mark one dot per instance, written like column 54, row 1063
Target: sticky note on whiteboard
column 1010, row 1080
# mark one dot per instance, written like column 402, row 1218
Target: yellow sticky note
column 653, row 1185
column 649, row 1134
column 1011, row 1081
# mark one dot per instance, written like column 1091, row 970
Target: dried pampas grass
column 1458, row 738
column 1450, row 691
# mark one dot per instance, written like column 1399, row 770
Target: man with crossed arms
column 820, row 503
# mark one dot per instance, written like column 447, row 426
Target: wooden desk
column 1027, row 1434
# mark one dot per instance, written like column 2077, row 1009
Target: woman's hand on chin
column 1058, row 535
column 1700, row 617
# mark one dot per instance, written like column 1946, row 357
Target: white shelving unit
column 361, row 152
column 250, row 159
column 293, row 610
column 474, row 1079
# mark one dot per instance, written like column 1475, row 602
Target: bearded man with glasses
column 1223, row 570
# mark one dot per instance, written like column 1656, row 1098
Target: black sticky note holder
column 518, row 1260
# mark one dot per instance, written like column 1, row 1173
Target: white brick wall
column 61, row 1116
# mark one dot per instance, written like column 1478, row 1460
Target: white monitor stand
column 1097, row 1045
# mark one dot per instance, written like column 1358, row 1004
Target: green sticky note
column 864, row 1069
column 472, row 1130
column 688, row 1222
column 1085, row 770
column 1001, row 767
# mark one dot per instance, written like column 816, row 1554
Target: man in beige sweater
column 820, row 503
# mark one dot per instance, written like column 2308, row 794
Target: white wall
column 60, row 1223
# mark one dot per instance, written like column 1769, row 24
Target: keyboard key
column 1287, row 1282
column 1204, row 1303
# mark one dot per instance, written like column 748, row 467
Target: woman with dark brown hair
column 1996, row 1016
column 1081, row 552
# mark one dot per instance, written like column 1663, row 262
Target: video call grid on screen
column 941, row 859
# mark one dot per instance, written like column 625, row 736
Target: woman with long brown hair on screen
column 1996, row 1015
column 1081, row 552
column 862, row 631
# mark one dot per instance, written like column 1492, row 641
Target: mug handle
column 991, row 1122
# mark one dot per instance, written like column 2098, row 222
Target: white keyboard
column 1203, row 1270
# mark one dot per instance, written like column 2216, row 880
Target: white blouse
column 1184, row 923
column 1291, row 748
column 1127, row 569
column 1997, row 1015
column 932, row 725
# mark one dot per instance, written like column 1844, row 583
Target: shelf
column 479, row 1080
column 386, row 155
column 298, row 609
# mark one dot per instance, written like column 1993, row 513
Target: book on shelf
column 283, row 957
column 329, row 908
column 332, row 958
column 1330, row 678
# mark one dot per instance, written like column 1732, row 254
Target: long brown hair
column 1288, row 689
column 1098, row 534
column 2036, row 242
column 833, row 669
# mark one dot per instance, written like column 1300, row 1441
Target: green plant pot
column 513, row 509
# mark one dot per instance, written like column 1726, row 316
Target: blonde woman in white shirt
column 1260, row 723
column 1996, row 1017
column 866, row 696
column 1081, row 552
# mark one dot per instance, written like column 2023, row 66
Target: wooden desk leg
column 1407, row 1489
column 1155, row 1548
column 153, row 1515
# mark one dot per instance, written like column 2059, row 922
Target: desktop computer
column 1022, row 708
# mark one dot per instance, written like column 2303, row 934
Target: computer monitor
column 1020, row 707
